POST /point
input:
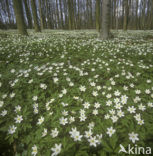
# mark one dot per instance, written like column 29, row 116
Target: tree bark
column 18, row 9
column 41, row 15
column 71, row 14
column 29, row 18
column 105, row 30
column 35, row 16
column 98, row 15
column 125, row 24
column 61, row 12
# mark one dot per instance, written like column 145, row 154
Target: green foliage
column 57, row 74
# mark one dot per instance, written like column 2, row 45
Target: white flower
column 86, row 105
column 93, row 141
column 1, row 103
column 12, row 95
column 35, row 98
column 133, row 137
column 17, row 108
column 82, row 111
column 43, row 86
column 55, row 80
column 71, row 84
column 141, row 107
column 150, row 104
column 83, row 117
column 82, row 88
column 131, row 109
column 4, row 112
column 99, row 137
column 114, row 118
column 120, row 113
column 137, row 91
column 95, row 112
column 54, row 133
column 88, row 134
column 71, row 119
column 147, row 91
column 12, row 71
column 56, row 150
column 65, row 113
column 34, row 150
column 107, row 116
column 108, row 103
column 4, row 96
column 118, row 106
column 12, row 129
column 18, row 119
column 44, row 133
column 140, row 122
column 97, row 105
column 75, row 134
column 117, row 93
column 98, row 87
column 91, row 125
column 40, row 120
column 64, row 91
column 63, row 121
column 35, row 111
column 95, row 93
column 92, row 84
column 110, row 131
column 108, row 96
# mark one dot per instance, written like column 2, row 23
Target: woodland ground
column 69, row 93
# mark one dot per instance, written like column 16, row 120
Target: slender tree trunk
column 105, row 30
column 136, row 15
column 18, row 8
column 8, row 11
column 91, row 23
column 29, row 18
column 126, row 15
column 71, row 14
column 47, row 15
column 98, row 15
column 151, row 16
column 57, row 14
column 35, row 16
column 116, row 13
column 61, row 11
column 41, row 15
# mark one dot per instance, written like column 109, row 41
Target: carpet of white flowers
column 69, row 93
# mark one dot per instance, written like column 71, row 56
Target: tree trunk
column 61, row 11
column 35, row 17
column 18, row 9
column 116, row 13
column 136, row 15
column 71, row 14
column 8, row 11
column 41, row 16
column 125, row 24
column 29, row 18
column 98, row 15
column 57, row 14
column 105, row 30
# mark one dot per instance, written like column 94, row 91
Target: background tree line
column 75, row 14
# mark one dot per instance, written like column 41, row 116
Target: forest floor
column 69, row 93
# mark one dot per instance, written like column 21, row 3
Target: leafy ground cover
column 69, row 93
